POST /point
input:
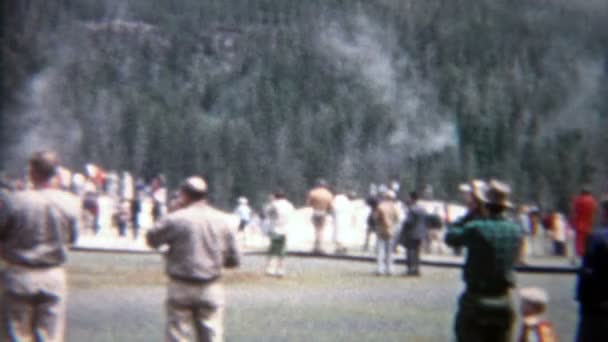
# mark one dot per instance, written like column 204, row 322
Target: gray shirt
column 36, row 225
column 415, row 226
column 200, row 242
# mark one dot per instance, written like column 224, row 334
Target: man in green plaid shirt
column 486, row 311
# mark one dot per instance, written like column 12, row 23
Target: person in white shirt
column 344, row 219
column 244, row 213
column 279, row 213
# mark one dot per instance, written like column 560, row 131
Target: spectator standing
column 591, row 291
column 558, row 231
column 486, row 310
column 136, row 204
column 537, row 230
column 372, row 202
column 387, row 220
column 320, row 199
column 35, row 227
column 199, row 242
column 342, row 209
column 413, row 233
column 279, row 213
column 523, row 218
column 583, row 213
column 243, row 212
column 122, row 217
column 472, row 192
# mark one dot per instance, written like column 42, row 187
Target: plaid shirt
column 493, row 246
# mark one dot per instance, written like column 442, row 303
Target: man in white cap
column 200, row 242
column 280, row 212
column 244, row 212
column 388, row 216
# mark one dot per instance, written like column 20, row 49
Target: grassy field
column 117, row 297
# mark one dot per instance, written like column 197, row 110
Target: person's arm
column 75, row 225
column 456, row 235
column 231, row 252
column 159, row 235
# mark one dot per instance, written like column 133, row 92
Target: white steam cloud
column 368, row 51
column 44, row 120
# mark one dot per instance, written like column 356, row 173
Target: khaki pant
column 195, row 305
column 33, row 304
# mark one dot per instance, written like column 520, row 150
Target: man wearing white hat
column 200, row 242
column 244, row 213
column 388, row 216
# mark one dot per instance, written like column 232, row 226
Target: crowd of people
column 114, row 203
column 38, row 222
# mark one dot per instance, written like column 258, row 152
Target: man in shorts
column 280, row 211
column 320, row 199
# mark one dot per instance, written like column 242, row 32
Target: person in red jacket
column 584, row 207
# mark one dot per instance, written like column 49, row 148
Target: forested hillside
column 255, row 94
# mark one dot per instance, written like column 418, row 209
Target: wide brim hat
column 497, row 193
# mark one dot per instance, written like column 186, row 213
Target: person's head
column 43, row 167
column 279, row 194
column 321, row 183
column 390, row 195
column 243, row 200
column 413, row 197
column 534, row 301
column 586, row 189
column 496, row 197
column 534, row 214
column 193, row 189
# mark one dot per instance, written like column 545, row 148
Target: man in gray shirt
column 35, row 226
column 200, row 242
column 414, row 231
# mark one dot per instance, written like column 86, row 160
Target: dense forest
column 259, row 94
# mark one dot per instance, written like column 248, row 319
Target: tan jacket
column 320, row 199
column 387, row 217
column 200, row 242
column 36, row 225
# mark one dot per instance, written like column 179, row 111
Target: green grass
column 121, row 298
